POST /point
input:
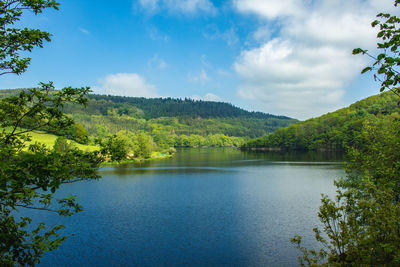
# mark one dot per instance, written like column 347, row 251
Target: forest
column 167, row 122
column 132, row 128
column 333, row 131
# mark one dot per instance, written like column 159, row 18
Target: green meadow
column 49, row 140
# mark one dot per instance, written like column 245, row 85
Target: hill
column 170, row 122
column 174, row 116
column 170, row 107
column 332, row 131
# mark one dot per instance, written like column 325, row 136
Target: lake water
column 204, row 207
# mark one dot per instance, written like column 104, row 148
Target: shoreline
column 288, row 150
column 136, row 160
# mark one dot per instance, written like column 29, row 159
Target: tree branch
column 35, row 208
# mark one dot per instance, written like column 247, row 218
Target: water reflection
column 203, row 160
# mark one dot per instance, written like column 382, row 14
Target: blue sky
column 286, row 57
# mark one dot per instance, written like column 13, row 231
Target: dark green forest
column 170, row 107
column 333, row 131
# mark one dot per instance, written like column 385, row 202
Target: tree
column 387, row 62
column 143, row 146
column 14, row 40
column 29, row 175
column 116, row 147
column 81, row 135
column 361, row 226
column 75, row 132
column 62, row 145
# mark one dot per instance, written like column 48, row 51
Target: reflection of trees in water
column 212, row 160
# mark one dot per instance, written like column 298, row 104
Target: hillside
column 160, row 107
column 170, row 122
column 170, row 107
column 174, row 116
column 332, row 131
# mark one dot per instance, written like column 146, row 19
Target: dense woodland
column 168, row 122
column 333, row 131
column 170, row 107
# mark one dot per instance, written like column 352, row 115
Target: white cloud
column 156, row 35
column 223, row 73
column 125, row 84
column 83, row 30
column 263, row 33
column 303, row 69
column 179, row 6
column 270, row 9
column 202, row 77
column 149, row 5
column 207, row 97
column 229, row 35
column 157, row 62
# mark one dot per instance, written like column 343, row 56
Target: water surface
column 204, row 207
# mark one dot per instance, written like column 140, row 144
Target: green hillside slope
column 332, row 131
column 175, row 116
column 170, row 122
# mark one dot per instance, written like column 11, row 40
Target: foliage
column 173, row 116
column 164, row 126
column 123, row 145
column 161, row 107
column 79, row 133
column 62, row 145
column 171, row 151
column 30, row 176
column 143, row 146
column 377, row 156
column 338, row 130
column 15, row 40
column 114, row 146
column 361, row 226
column 387, row 62
column 165, row 119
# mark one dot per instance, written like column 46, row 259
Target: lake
column 204, row 207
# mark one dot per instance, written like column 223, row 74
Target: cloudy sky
column 286, row 57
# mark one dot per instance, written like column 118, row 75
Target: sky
column 283, row 57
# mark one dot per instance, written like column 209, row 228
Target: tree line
column 334, row 131
column 157, row 116
column 175, row 107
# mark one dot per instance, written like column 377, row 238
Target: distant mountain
column 332, row 131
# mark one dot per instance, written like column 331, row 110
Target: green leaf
column 374, row 23
column 381, row 56
column 357, row 51
column 366, row 69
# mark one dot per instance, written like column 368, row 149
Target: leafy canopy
column 13, row 40
column 30, row 175
column 387, row 62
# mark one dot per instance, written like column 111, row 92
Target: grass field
column 49, row 139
